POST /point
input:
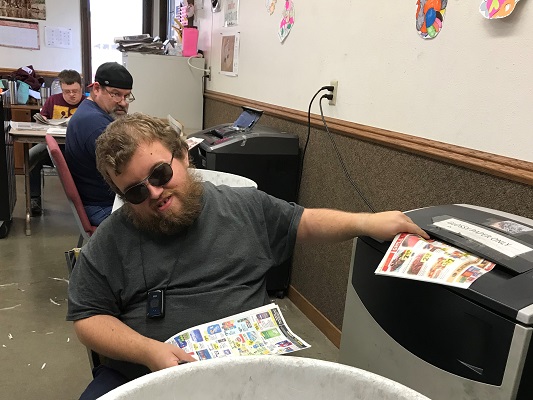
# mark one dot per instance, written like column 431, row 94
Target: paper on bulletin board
column 229, row 54
column 58, row 37
column 21, row 34
column 231, row 13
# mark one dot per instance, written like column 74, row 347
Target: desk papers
column 261, row 331
column 49, row 121
column 27, row 126
column 35, row 129
column 412, row 257
column 57, row 131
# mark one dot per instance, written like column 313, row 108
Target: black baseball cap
column 113, row 74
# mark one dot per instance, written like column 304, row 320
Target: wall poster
column 21, row 34
column 231, row 13
column 25, row 9
column 58, row 37
column 229, row 54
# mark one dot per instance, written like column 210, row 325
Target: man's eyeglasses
column 74, row 91
column 161, row 174
column 118, row 97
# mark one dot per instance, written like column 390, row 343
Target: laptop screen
column 247, row 119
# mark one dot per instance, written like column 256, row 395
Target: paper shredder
column 269, row 157
column 442, row 341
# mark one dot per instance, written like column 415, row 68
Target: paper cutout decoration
column 429, row 17
column 287, row 21
column 270, row 6
column 492, row 9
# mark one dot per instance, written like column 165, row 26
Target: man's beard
column 171, row 222
column 114, row 114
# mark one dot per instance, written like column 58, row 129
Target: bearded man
column 204, row 249
column 109, row 99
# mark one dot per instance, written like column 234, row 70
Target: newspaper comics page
column 412, row 257
column 261, row 331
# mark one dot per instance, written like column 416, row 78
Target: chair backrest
column 85, row 227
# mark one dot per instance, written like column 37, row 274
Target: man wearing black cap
column 109, row 100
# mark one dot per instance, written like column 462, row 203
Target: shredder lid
column 503, row 238
column 508, row 288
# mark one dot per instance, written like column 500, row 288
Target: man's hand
column 165, row 355
column 386, row 225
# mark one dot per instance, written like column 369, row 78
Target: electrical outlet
column 335, row 85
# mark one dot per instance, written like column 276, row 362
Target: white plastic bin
column 263, row 378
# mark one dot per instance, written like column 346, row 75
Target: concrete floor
column 40, row 356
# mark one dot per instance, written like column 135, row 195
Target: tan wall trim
column 44, row 74
column 316, row 317
column 504, row 167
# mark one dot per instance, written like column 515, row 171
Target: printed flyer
column 412, row 257
column 261, row 331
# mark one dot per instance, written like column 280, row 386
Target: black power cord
column 330, row 88
column 354, row 185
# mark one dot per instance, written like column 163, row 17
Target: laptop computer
column 244, row 122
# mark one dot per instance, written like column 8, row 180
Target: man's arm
column 324, row 225
column 47, row 108
column 110, row 337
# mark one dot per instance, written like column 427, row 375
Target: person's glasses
column 118, row 97
column 74, row 91
column 161, row 174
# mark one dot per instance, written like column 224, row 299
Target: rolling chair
column 84, row 226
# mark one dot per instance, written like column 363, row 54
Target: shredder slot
column 514, row 266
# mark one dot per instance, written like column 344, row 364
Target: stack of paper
column 57, row 131
column 48, row 121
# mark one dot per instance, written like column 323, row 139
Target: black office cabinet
column 268, row 157
column 7, row 173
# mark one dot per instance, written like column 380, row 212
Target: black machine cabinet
column 7, row 173
column 268, row 157
column 443, row 341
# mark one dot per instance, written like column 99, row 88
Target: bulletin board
column 19, row 34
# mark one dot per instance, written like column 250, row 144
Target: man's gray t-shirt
column 212, row 270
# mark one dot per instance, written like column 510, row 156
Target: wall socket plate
column 335, row 85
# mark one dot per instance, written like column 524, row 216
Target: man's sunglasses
column 161, row 174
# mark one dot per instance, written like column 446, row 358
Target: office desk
column 27, row 137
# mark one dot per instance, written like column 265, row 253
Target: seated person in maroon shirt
column 64, row 104
column 57, row 106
